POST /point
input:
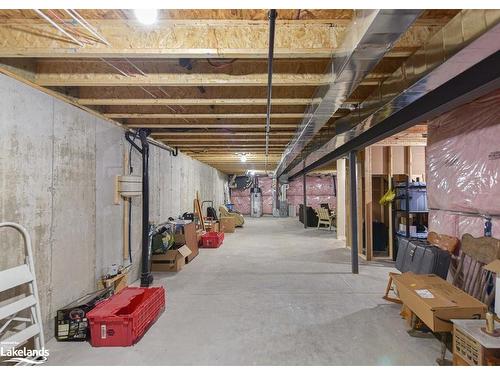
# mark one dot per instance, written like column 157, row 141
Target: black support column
column 304, row 211
column 146, row 276
column 354, row 212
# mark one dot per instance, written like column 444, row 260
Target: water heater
column 255, row 202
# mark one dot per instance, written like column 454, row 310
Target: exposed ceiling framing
column 198, row 78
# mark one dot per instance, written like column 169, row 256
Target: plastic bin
column 417, row 196
column 212, row 239
column 124, row 318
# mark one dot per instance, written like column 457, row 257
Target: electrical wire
column 49, row 20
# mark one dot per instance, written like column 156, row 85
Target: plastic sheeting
column 463, row 168
column 453, row 224
column 463, row 158
column 319, row 189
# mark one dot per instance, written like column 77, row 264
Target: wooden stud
column 406, row 160
column 390, row 174
column 341, row 199
column 359, row 175
column 126, row 208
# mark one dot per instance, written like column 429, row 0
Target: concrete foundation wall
column 57, row 170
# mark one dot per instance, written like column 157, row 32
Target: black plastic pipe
column 143, row 134
column 272, row 24
column 146, row 276
column 304, row 211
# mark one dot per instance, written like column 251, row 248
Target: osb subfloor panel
column 273, row 294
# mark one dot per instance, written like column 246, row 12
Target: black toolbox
column 71, row 320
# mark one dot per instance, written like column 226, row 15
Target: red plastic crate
column 124, row 318
column 212, row 239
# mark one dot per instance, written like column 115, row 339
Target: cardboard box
column 172, row 261
column 187, row 236
column 199, row 233
column 435, row 301
column 118, row 282
column 227, row 224
column 212, row 226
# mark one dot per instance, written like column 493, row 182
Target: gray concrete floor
column 273, row 294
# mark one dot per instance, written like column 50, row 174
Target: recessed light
column 146, row 16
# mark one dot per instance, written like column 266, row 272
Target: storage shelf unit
column 404, row 206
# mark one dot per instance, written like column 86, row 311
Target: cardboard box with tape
column 435, row 301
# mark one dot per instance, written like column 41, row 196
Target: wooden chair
column 469, row 275
column 324, row 218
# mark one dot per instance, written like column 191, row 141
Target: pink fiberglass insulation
column 266, row 185
column 463, row 158
column 463, row 166
column 453, row 224
column 443, row 222
column 319, row 189
column 241, row 204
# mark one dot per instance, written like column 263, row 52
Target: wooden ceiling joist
column 198, row 101
column 228, row 150
column 202, row 115
column 167, row 39
column 228, row 39
column 201, row 71
column 223, row 142
column 223, row 134
column 329, row 16
column 212, row 126
column 182, row 79
column 225, row 157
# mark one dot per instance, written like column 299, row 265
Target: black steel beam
column 469, row 85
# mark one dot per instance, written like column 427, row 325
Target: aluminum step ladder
column 30, row 327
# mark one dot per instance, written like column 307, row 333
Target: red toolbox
column 212, row 239
column 122, row 319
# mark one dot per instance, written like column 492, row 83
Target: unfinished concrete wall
column 57, row 170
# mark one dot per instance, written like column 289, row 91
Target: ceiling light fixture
column 146, row 16
column 243, row 156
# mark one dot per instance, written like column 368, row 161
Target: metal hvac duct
column 456, row 63
column 369, row 36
